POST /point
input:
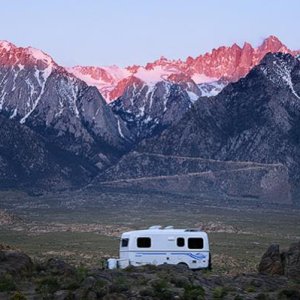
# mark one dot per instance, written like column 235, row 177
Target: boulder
column 271, row 262
column 59, row 267
column 285, row 263
column 292, row 261
column 61, row 295
column 14, row 263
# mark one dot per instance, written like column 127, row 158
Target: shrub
column 81, row 273
column 161, row 289
column 49, row 284
column 147, row 292
column 262, row 296
column 7, row 284
column 250, row 289
column 180, row 281
column 219, row 292
column 159, row 284
column 119, row 285
column 192, row 292
column 289, row 294
column 18, row 296
column 101, row 288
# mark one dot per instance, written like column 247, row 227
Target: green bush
column 18, row 296
column 7, row 284
column 48, row 284
column 161, row 289
column 192, row 292
column 159, row 284
column 250, row 289
column 180, row 281
column 101, row 287
column 289, row 294
column 147, row 292
column 119, row 285
column 81, row 273
column 219, row 292
column 262, row 296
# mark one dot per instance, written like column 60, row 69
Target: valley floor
column 83, row 227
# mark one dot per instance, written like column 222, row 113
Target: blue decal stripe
column 194, row 256
column 151, row 253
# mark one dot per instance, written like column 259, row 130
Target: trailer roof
column 162, row 231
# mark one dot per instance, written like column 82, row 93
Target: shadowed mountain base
column 156, row 172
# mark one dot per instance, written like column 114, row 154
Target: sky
column 127, row 32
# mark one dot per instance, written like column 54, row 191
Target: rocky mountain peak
column 59, row 110
column 272, row 44
column 283, row 70
column 6, row 45
column 10, row 55
column 229, row 63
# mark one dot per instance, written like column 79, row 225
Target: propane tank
column 111, row 263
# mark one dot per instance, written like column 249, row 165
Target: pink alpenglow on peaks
column 224, row 63
column 216, row 68
column 10, row 56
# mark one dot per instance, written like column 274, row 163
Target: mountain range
column 224, row 63
column 68, row 117
column 223, row 124
column 244, row 141
column 144, row 96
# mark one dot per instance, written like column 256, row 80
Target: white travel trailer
column 157, row 246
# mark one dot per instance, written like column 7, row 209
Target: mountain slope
column 148, row 110
column 59, row 108
column 26, row 161
column 253, row 120
column 54, row 127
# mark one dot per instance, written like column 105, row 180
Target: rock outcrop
column 14, row 263
column 291, row 261
column 285, row 263
column 55, row 279
column 271, row 262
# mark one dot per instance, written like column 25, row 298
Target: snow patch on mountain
column 40, row 55
column 120, row 130
column 6, row 45
column 279, row 72
column 201, row 78
column 116, row 72
column 41, row 77
column 158, row 73
column 211, row 89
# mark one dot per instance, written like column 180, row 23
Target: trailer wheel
column 184, row 265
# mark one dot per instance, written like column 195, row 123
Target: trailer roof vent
column 155, row 227
column 169, row 227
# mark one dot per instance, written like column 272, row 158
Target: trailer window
column 124, row 242
column 144, row 242
column 195, row 243
column 180, row 242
